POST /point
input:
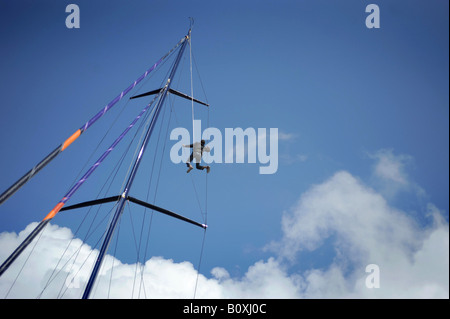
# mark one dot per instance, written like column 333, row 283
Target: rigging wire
column 201, row 82
column 199, row 263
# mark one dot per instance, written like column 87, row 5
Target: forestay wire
column 205, row 213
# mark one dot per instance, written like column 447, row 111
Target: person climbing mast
column 197, row 153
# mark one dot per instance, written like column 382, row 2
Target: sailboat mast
column 132, row 175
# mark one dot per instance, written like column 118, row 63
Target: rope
column 200, row 262
column 192, row 90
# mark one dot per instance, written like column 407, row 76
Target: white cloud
column 390, row 173
column 262, row 280
column 342, row 211
column 391, row 167
column 344, row 206
column 162, row 278
column 413, row 261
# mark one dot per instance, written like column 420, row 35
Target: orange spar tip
column 70, row 140
column 54, row 211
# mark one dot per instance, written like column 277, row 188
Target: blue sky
column 372, row 103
